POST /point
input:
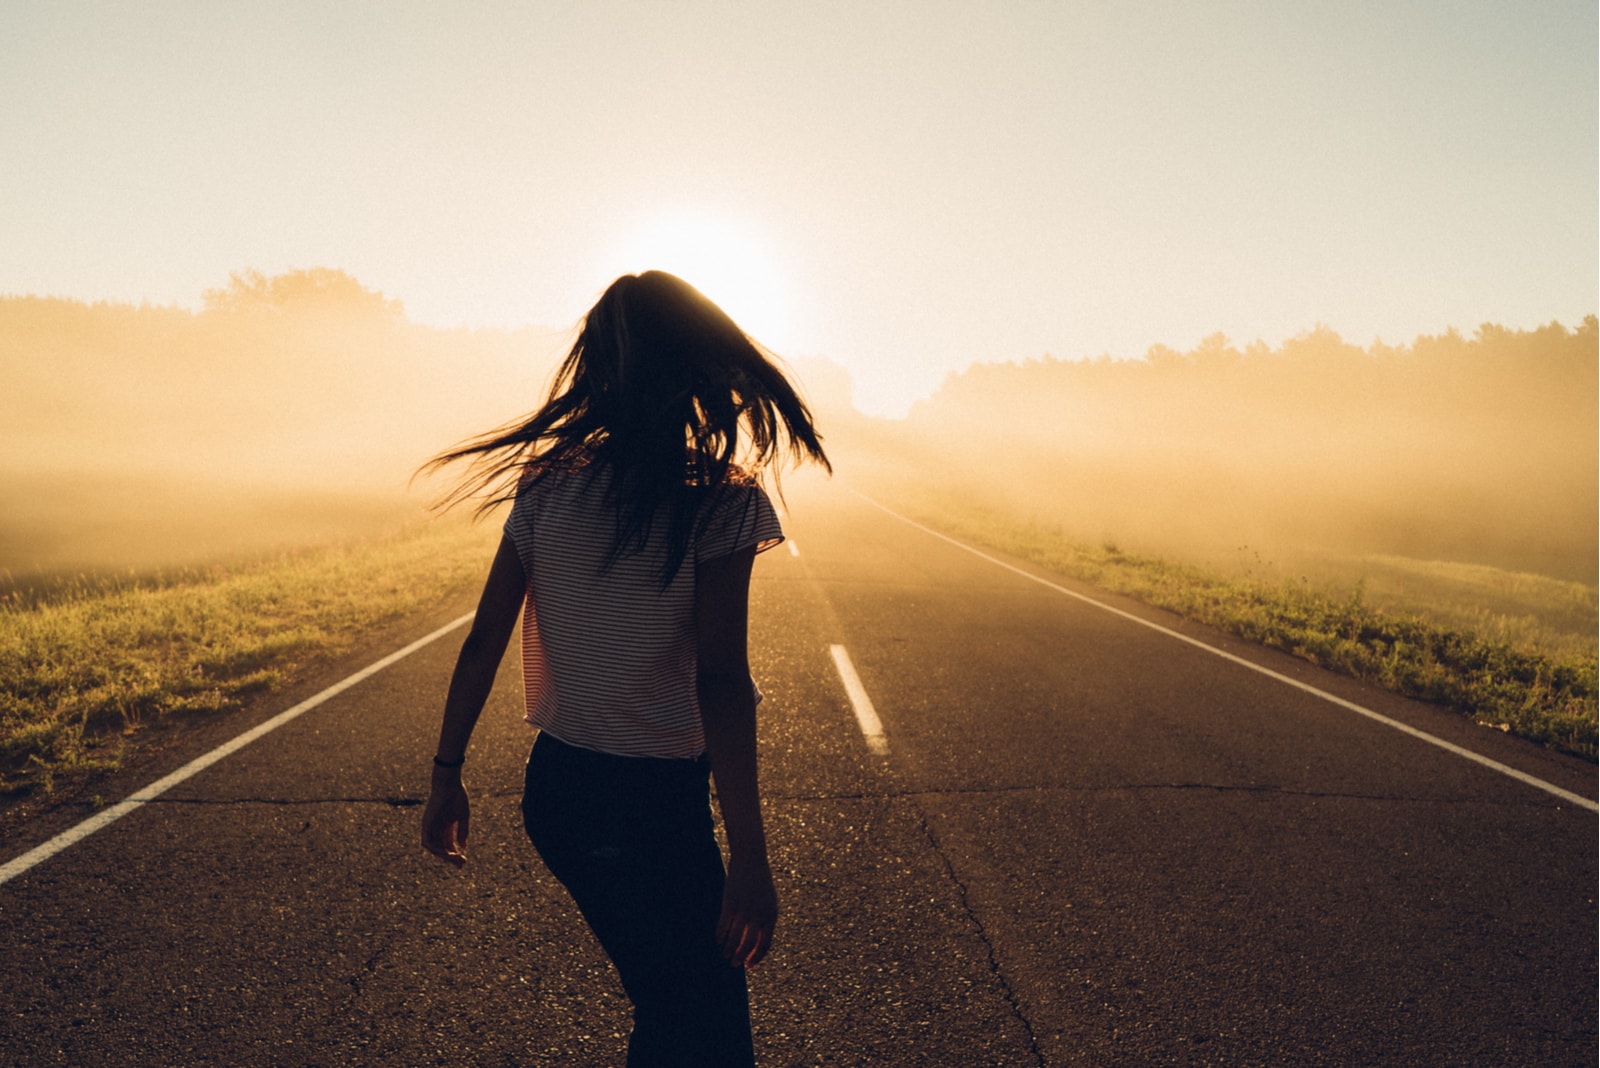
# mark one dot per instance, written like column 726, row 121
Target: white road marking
column 866, row 715
column 1405, row 728
column 794, row 550
column 78, row 833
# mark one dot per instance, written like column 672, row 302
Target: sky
column 904, row 188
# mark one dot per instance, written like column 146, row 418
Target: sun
column 724, row 262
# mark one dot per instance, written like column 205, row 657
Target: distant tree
column 1164, row 357
column 1215, row 352
column 320, row 289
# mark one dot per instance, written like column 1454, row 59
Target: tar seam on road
column 1406, row 728
column 965, row 897
column 866, row 715
column 106, row 816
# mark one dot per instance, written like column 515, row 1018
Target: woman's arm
column 728, row 714
column 446, row 818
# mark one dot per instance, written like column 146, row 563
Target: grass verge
column 85, row 669
column 1546, row 698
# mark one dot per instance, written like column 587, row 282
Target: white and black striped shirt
column 608, row 656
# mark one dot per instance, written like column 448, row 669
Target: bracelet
column 448, row 763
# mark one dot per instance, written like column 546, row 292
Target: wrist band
column 448, row 763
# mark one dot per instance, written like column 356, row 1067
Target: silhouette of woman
column 637, row 515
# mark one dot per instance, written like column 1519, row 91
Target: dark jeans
column 630, row 838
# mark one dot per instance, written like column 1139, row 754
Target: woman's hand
column 749, row 912
column 444, row 821
column 728, row 714
column 446, row 817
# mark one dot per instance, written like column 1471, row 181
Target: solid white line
column 866, row 715
column 1406, row 728
column 106, row 816
column 794, row 550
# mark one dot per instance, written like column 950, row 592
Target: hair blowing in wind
column 667, row 393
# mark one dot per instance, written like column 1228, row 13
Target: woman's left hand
column 446, row 818
column 749, row 912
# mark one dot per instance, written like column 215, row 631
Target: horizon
column 549, row 331
column 902, row 189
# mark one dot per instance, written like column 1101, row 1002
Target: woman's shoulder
column 740, row 489
column 555, row 493
column 740, row 514
column 738, row 482
column 548, row 473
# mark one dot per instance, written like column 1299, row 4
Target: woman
column 628, row 551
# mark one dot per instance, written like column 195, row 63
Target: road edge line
column 1405, row 728
column 77, row 833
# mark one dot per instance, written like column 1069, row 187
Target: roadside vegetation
column 1427, row 511
column 1421, row 516
column 1508, row 672
column 1471, row 450
column 86, row 666
column 306, row 379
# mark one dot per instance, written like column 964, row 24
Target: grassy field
column 58, row 525
column 1514, row 652
column 85, row 666
column 1535, row 613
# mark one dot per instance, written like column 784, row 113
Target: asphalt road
column 1088, row 844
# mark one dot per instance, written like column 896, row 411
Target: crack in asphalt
column 396, row 801
column 369, row 968
column 983, row 937
column 957, row 791
column 392, row 802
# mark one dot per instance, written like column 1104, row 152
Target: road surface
column 1087, row 843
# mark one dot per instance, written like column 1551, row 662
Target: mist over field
column 1455, row 476
column 293, row 409
column 1476, row 449
column 290, row 409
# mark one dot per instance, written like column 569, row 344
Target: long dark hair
column 663, row 391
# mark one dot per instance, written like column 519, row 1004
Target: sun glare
column 725, row 264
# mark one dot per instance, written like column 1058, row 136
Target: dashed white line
column 794, row 550
column 1461, row 751
column 78, row 833
column 866, row 715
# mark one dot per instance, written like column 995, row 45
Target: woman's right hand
column 446, row 817
column 749, row 912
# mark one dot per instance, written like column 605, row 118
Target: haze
column 924, row 185
column 261, row 262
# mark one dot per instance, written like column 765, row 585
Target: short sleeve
column 519, row 528
column 742, row 517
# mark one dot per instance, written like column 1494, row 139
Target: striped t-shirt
column 608, row 656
